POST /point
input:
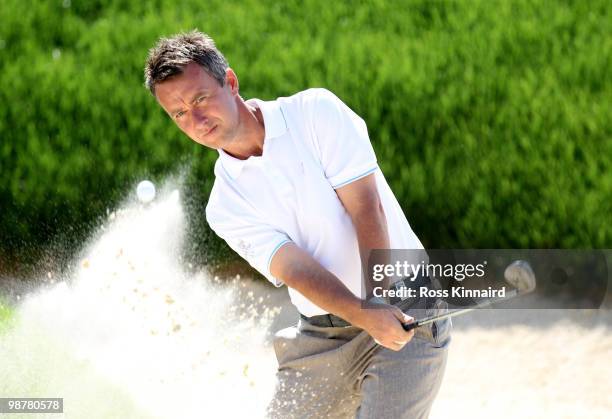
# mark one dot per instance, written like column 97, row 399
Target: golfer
column 298, row 194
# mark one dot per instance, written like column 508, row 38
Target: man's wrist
column 356, row 313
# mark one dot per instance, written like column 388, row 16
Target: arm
column 362, row 202
column 300, row 271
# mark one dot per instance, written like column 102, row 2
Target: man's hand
column 383, row 323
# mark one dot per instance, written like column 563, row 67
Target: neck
column 251, row 132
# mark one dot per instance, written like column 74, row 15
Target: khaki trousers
column 340, row 372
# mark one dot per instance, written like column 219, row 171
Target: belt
column 326, row 320
column 331, row 320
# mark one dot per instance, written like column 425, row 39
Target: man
column 299, row 195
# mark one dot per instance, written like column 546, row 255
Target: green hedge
column 491, row 119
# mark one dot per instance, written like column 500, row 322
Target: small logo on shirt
column 245, row 249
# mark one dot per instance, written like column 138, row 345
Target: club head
column 520, row 275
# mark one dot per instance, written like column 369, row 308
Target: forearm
column 300, row 271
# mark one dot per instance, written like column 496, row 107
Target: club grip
column 409, row 326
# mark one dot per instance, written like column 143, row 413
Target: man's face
column 202, row 109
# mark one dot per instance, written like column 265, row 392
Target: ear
column 232, row 81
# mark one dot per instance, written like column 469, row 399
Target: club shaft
column 409, row 326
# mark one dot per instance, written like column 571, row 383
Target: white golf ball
column 145, row 191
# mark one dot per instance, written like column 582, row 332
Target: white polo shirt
column 313, row 145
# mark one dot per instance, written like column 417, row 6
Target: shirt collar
column 274, row 126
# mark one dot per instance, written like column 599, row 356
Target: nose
column 199, row 119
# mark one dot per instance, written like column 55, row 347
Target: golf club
column 518, row 274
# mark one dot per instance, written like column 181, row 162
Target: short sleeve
column 342, row 139
column 257, row 242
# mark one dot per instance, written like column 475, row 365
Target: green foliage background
column 491, row 119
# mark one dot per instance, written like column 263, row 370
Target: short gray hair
column 170, row 56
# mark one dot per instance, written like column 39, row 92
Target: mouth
column 210, row 131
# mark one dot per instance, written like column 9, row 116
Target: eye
column 200, row 99
column 179, row 114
